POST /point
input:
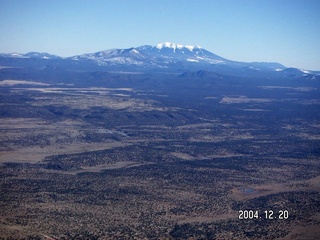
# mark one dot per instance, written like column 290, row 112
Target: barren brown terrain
column 159, row 162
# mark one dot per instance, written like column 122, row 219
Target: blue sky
column 285, row 31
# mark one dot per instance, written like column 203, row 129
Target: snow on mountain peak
column 176, row 46
column 191, row 47
column 134, row 51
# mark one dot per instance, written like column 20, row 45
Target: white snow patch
column 18, row 55
column 192, row 60
column 176, row 46
column 255, row 68
column 190, row 47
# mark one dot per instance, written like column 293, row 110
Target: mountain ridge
column 161, row 52
column 166, row 57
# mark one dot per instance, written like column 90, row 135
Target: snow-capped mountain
column 160, row 55
column 38, row 55
column 195, row 51
column 113, row 57
column 163, row 57
column 42, row 55
column 169, row 56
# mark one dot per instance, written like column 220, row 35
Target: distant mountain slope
column 167, row 56
column 164, row 57
column 30, row 55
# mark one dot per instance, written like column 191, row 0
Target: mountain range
column 164, row 57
